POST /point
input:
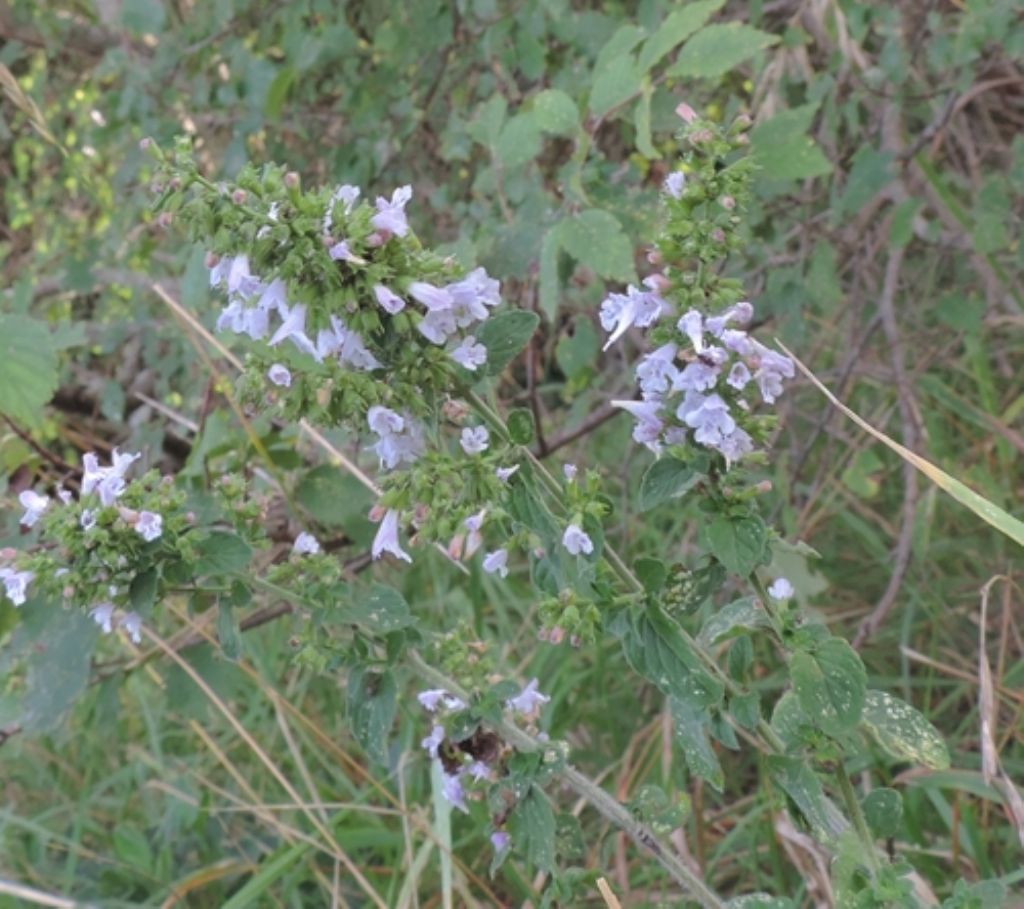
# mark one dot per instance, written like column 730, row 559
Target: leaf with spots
column 830, row 683
column 903, row 732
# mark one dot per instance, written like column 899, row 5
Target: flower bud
column 718, row 235
column 743, row 121
column 727, row 202
column 291, row 180
column 328, row 240
column 377, row 238
column 211, row 259
column 556, row 635
column 190, row 517
column 742, row 139
column 164, row 219
column 686, row 113
column 68, row 592
column 658, row 282
column 654, row 256
column 239, row 196
column 144, row 144
column 377, row 513
column 455, row 411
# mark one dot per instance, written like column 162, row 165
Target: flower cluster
column 465, row 763
column 98, row 511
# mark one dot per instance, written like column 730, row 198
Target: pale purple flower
column 738, row 341
column 131, row 622
column 739, row 376
column 657, row 371
column 455, row 795
column 674, row 184
column 149, row 525
column 103, row 615
column 433, row 741
column 696, row 376
column 391, row 214
column 386, row 539
column 34, row 505
column 387, row 299
column 740, row 313
column 472, row 296
column 401, row 438
column 279, row 375
column 475, row 521
column 500, row 840
column 621, row 311
column 434, row 298
column 771, row 369
column 306, row 544
column 479, row 771
column 736, row 445
column 340, row 252
column 569, row 471
column 576, row 541
column 469, row 354
column 649, row 424
column 710, row 421
column 108, row 482
column 431, row 699
column 437, row 326
column 528, row 700
column 497, row 563
column 240, row 281
column 691, row 324
column 353, row 351
column 88, row 519
column 294, row 328
column 781, row 589
column 274, row 298
column 474, row 440
column 505, row 473
column 16, row 584
column 64, row 495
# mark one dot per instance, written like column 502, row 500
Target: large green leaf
column 690, row 724
column 831, row 684
column 596, row 239
column 677, row 27
column 334, row 497
column 28, row 367
column 903, row 731
column 372, row 703
column 746, row 614
column 519, row 141
column 532, row 824
column 504, row 336
column 784, row 150
column 614, row 84
column 718, row 48
column 667, row 478
column 801, row 784
column 739, row 543
column 555, row 112
column 222, row 553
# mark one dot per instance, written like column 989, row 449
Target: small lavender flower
column 400, row 437
column 386, row 539
column 34, row 505
column 469, row 354
column 431, row 699
column 691, row 324
column 479, row 771
column 500, row 840
column 621, row 311
column 16, row 584
column 347, row 194
column 454, row 794
column 436, row 299
column 657, row 371
column 88, row 519
column 497, row 563
column 391, row 214
column 131, row 622
column 340, row 252
column 474, row 440
column 528, row 700
column 293, row 328
column 64, row 495
column 433, row 741
column 674, row 184
column 739, row 376
column 103, row 615
column 781, row 589
column 306, row 544
column 279, row 375
column 709, row 419
column 576, row 541
column 388, row 300
column 505, row 473
column 149, row 525
column 569, row 471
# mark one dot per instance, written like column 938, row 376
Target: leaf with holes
column 903, row 731
column 830, row 683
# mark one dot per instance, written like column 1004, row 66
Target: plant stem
column 859, row 823
column 605, row 805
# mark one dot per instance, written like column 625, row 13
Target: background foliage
column 884, row 248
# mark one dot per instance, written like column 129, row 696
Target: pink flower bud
column 556, row 635
column 727, row 202
column 212, row 259
column 377, row 238
column 164, row 219
column 658, row 282
column 377, row 513
column 291, row 180
column 743, row 121
column 144, row 144
column 686, row 113
column 239, row 196
column 654, row 256
column 718, row 235
column 68, row 592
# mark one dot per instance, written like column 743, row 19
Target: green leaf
column 277, row 93
column 372, row 703
column 576, row 353
column 228, row 633
column 789, row 721
column 222, row 553
column 719, row 48
column 333, row 497
column 831, row 683
column 870, row 173
column 903, row 731
column 802, row 785
column 532, row 825
column 736, row 618
column 549, row 284
column 677, row 27
column 555, row 112
column 58, row 668
column 739, row 543
column 652, row 806
column 614, row 84
column 28, row 367
column 504, row 336
column 655, row 647
column 690, row 725
column 626, row 38
column 783, row 149
column 142, row 591
column 596, row 239
column 381, row 609
column 520, row 426
column 883, row 810
column 486, row 126
column 519, row 141
column 132, row 848
column 667, row 478
column 652, row 573
column 642, row 122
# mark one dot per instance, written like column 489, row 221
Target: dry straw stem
column 990, row 513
